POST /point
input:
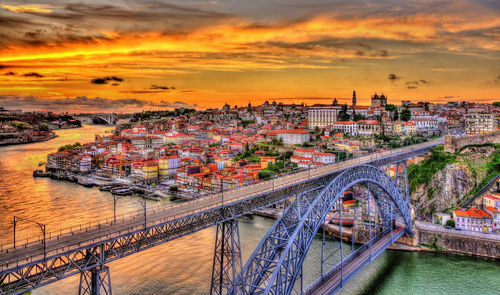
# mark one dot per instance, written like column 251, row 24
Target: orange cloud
column 31, row 8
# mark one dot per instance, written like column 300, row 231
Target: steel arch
column 275, row 263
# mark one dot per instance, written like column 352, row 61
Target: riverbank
column 428, row 238
column 4, row 143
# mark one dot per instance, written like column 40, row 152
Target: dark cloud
column 66, row 23
column 175, row 104
column 160, row 87
column 9, row 73
column 83, row 103
column 33, row 74
column 105, row 80
column 393, row 77
column 415, row 84
column 98, row 81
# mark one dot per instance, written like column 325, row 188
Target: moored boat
column 85, row 181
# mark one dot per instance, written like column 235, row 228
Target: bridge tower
column 227, row 257
column 94, row 276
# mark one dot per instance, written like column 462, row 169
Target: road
column 352, row 266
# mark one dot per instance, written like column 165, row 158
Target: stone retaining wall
column 461, row 243
column 452, row 143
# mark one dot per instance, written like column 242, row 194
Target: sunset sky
column 131, row 55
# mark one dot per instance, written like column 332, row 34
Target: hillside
column 443, row 180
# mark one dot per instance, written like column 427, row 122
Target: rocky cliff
column 446, row 189
column 443, row 187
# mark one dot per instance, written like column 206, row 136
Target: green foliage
column 44, row 127
column 496, row 103
column 391, row 108
column 213, row 144
column 451, row 223
column 422, row 173
column 21, row 125
column 264, row 174
column 68, row 147
column 405, row 115
column 343, row 115
column 173, row 188
column 358, row 117
column 245, row 123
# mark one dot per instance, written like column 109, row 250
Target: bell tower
column 354, row 98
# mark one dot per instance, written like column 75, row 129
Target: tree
column 391, row 108
column 450, row 222
column 264, row 174
column 396, row 116
column 343, row 115
column 405, row 115
column 496, row 104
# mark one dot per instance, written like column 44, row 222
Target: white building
column 473, row 220
column 322, row 115
column 325, row 158
column 292, row 136
column 349, row 127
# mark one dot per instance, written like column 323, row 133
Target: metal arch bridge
column 274, row 267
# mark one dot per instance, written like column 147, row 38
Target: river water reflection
column 183, row 266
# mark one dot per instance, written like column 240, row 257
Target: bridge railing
column 231, row 196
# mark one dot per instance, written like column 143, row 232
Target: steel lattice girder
column 227, row 257
column 36, row 273
column 283, row 259
column 39, row 273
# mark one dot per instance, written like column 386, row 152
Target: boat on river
column 85, row 181
column 121, row 191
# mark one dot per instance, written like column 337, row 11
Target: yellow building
column 163, row 168
column 264, row 161
column 150, row 172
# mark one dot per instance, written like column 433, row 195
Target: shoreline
column 397, row 246
column 28, row 142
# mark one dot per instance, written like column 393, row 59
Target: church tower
column 354, row 98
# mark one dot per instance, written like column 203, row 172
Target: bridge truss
column 276, row 263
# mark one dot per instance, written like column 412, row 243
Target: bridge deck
column 339, row 278
column 104, row 230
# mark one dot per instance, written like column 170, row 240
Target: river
column 183, row 266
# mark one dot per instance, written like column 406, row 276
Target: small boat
column 40, row 173
column 85, row 181
column 106, row 187
column 121, row 191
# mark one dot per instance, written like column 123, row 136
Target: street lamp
column 42, row 227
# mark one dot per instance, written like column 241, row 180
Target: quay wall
column 461, row 243
column 452, row 143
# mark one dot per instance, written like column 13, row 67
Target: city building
column 323, row 115
column 378, row 101
column 473, row 220
column 480, row 122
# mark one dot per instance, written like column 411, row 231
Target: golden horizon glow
column 447, row 54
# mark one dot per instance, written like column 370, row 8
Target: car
column 456, row 228
column 448, row 227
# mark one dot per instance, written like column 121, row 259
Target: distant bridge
column 275, row 265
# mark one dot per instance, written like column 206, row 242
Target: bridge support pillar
column 227, row 258
column 93, row 281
